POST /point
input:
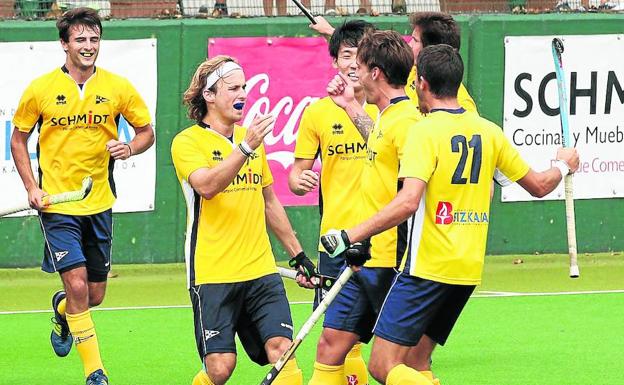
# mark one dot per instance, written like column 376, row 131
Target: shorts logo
column 444, row 213
column 60, row 254
column 287, row 326
column 352, row 380
column 208, row 334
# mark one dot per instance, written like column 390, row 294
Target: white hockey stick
column 307, row 326
column 557, row 50
column 69, row 196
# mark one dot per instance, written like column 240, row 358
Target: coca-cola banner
column 284, row 75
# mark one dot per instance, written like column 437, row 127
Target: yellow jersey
column 226, row 237
column 326, row 131
column 379, row 182
column 463, row 97
column 74, row 125
column 455, row 152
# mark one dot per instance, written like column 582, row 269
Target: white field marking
column 128, row 308
column 498, row 294
column 480, row 294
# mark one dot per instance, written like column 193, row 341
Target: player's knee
column 220, row 371
column 77, row 289
column 95, row 299
column 275, row 347
column 330, row 350
column 378, row 368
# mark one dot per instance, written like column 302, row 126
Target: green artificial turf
column 519, row 340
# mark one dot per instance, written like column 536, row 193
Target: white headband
column 220, row 72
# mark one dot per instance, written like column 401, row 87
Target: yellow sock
column 327, row 375
column 404, row 375
column 81, row 327
column 202, row 378
column 430, row 376
column 290, row 374
column 61, row 307
column 355, row 368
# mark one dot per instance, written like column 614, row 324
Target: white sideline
column 480, row 294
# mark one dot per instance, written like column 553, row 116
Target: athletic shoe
column 97, row 378
column 60, row 337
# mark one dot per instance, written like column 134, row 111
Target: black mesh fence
column 37, row 9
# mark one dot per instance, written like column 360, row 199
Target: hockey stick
column 69, row 196
column 324, row 281
column 307, row 326
column 557, row 50
column 305, row 11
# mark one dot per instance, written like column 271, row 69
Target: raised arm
column 209, row 182
column 341, row 91
column 302, row 179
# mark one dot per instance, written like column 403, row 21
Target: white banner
column 22, row 62
column 595, row 82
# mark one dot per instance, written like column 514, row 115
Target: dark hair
column 436, row 28
column 442, row 67
column 349, row 33
column 87, row 17
column 387, row 51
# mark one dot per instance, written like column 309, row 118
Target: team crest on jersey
column 444, row 213
column 337, row 129
column 216, row 155
column 61, row 100
column 100, row 99
column 352, row 379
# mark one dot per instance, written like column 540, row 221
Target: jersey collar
column 459, row 110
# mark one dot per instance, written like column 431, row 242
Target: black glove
column 300, row 260
column 358, row 253
column 335, row 242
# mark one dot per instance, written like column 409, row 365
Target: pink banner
column 284, row 75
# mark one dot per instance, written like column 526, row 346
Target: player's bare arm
column 340, row 90
column 209, row 182
column 404, row 204
column 278, row 222
column 302, row 179
column 19, row 149
column 143, row 139
column 542, row 183
column 322, row 27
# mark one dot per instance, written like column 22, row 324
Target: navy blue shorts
column 256, row 310
column 417, row 306
column 357, row 305
column 72, row 241
column 327, row 267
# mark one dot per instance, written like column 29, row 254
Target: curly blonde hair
column 193, row 97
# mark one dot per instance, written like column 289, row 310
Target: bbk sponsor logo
column 444, row 213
